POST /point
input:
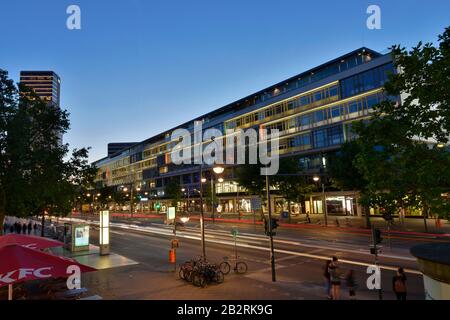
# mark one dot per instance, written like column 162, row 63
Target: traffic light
column 377, row 239
column 274, row 223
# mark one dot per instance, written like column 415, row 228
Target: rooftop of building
column 313, row 75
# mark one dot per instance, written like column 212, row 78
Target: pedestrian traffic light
column 377, row 239
column 274, row 223
column 272, row 227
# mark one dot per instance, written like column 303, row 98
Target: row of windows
column 321, row 138
column 366, row 81
column 338, row 111
column 300, row 82
column 304, row 102
column 156, row 150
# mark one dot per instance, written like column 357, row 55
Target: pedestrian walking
column 351, row 284
column 5, row 228
column 34, row 227
column 327, row 278
column 308, row 218
column 11, row 228
column 399, row 284
column 24, row 228
column 29, row 227
column 17, row 227
column 335, row 277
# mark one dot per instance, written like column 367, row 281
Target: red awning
column 21, row 264
column 29, row 241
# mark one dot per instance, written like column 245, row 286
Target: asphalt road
column 300, row 257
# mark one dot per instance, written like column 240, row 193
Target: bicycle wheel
column 241, row 267
column 219, row 277
column 203, row 281
column 181, row 274
column 198, row 280
column 189, row 274
column 225, row 267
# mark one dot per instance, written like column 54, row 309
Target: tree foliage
column 397, row 157
column 37, row 173
column 173, row 191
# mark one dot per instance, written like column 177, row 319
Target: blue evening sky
column 139, row 67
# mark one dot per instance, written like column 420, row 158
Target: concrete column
column 434, row 262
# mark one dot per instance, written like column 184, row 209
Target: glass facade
column 311, row 123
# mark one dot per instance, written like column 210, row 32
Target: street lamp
column 202, row 216
column 237, row 200
column 217, row 170
column 324, row 200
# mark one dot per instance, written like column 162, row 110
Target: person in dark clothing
column 29, row 227
column 24, row 228
column 351, row 284
column 5, row 228
column 399, row 284
column 11, row 228
column 335, row 277
column 17, row 227
column 34, row 227
column 327, row 278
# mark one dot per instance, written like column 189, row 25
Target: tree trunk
column 425, row 216
column 2, row 209
column 290, row 210
column 43, row 225
column 2, row 219
column 367, row 214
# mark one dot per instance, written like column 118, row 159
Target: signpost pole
column 272, row 251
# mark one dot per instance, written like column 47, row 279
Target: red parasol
column 29, row 241
column 20, row 264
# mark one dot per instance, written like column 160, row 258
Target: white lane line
column 349, row 249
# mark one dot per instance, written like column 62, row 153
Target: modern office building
column 313, row 112
column 115, row 147
column 46, row 84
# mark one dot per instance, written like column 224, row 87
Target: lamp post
column 237, row 200
column 217, row 170
column 324, row 200
column 202, row 215
column 269, row 209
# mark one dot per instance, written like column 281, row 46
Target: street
column 300, row 257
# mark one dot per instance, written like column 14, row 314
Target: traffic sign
column 175, row 244
column 256, row 203
column 234, row 232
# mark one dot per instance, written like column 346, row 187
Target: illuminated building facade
column 313, row 112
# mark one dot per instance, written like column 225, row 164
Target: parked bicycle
column 200, row 272
column 240, row 267
column 205, row 273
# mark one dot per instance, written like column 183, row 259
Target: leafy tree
column 35, row 175
column 173, row 191
column 292, row 184
column 397, row 159
column 249, row 177
column 424, row 80
column 8, row 110
column 345, row 175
